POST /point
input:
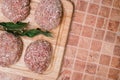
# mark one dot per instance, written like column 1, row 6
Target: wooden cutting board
column 58, row 42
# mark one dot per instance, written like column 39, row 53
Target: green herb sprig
column 34, row 32
column 19, row 29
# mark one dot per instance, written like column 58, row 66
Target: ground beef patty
column 10, row 48
column 48, row 14
column 15, row 10
column 38, row 56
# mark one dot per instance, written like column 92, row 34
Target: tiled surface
column 93, row 48
column 97, row 51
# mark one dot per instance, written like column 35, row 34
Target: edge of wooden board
column 61, row 42
column 64, row 35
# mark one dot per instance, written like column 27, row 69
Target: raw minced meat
column 15, row 10
column 10, row 48
column 38, row 56
column 48, row 14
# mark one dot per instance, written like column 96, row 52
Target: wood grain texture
column 58, row 42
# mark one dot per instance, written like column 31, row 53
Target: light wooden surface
column 58, row 42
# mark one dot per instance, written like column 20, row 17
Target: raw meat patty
column 15, row 10
column 48, row 14
column 10, row 48
column 38, row 56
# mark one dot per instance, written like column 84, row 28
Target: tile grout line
column 86, row 13
column 89, row 50
column 106, row 19
column 93, row 39
column 88, row 73
column 83, row 23
column 100, row 6
column 105, row 35
column 75, row 4
column 106, row 6
column 97, row 16
column 91, row 14
column 114, row 41
column 75, row 52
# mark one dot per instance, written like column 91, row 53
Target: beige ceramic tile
column 78, row 17
column 76, row 28
column 82, row 54
column 105, row 59
column 90, row 20
column 25, row 78
column 116, row 4
column 70, row 51
column 91, row 68
column 93, row 8
column 96, row 45
column 81, row 5
column 99, row 34
column 107, row 48
column 104, row 11
column 79, row 66
column 113, row 25
column 118, row 40
column 115, row 15
column 116, row 50
column 88, row 77
column 101, row 23
column 73, row 40
column 110, row 37
column 107, row 2
column 102, row 71
column 115, row 62
column 77, row 76
column 93, row 57
column 100, row 78
column 113, row 74
column 84, row 43
column 64, row 75
column 96, row 1
column 67, row 62
column 87, row 31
